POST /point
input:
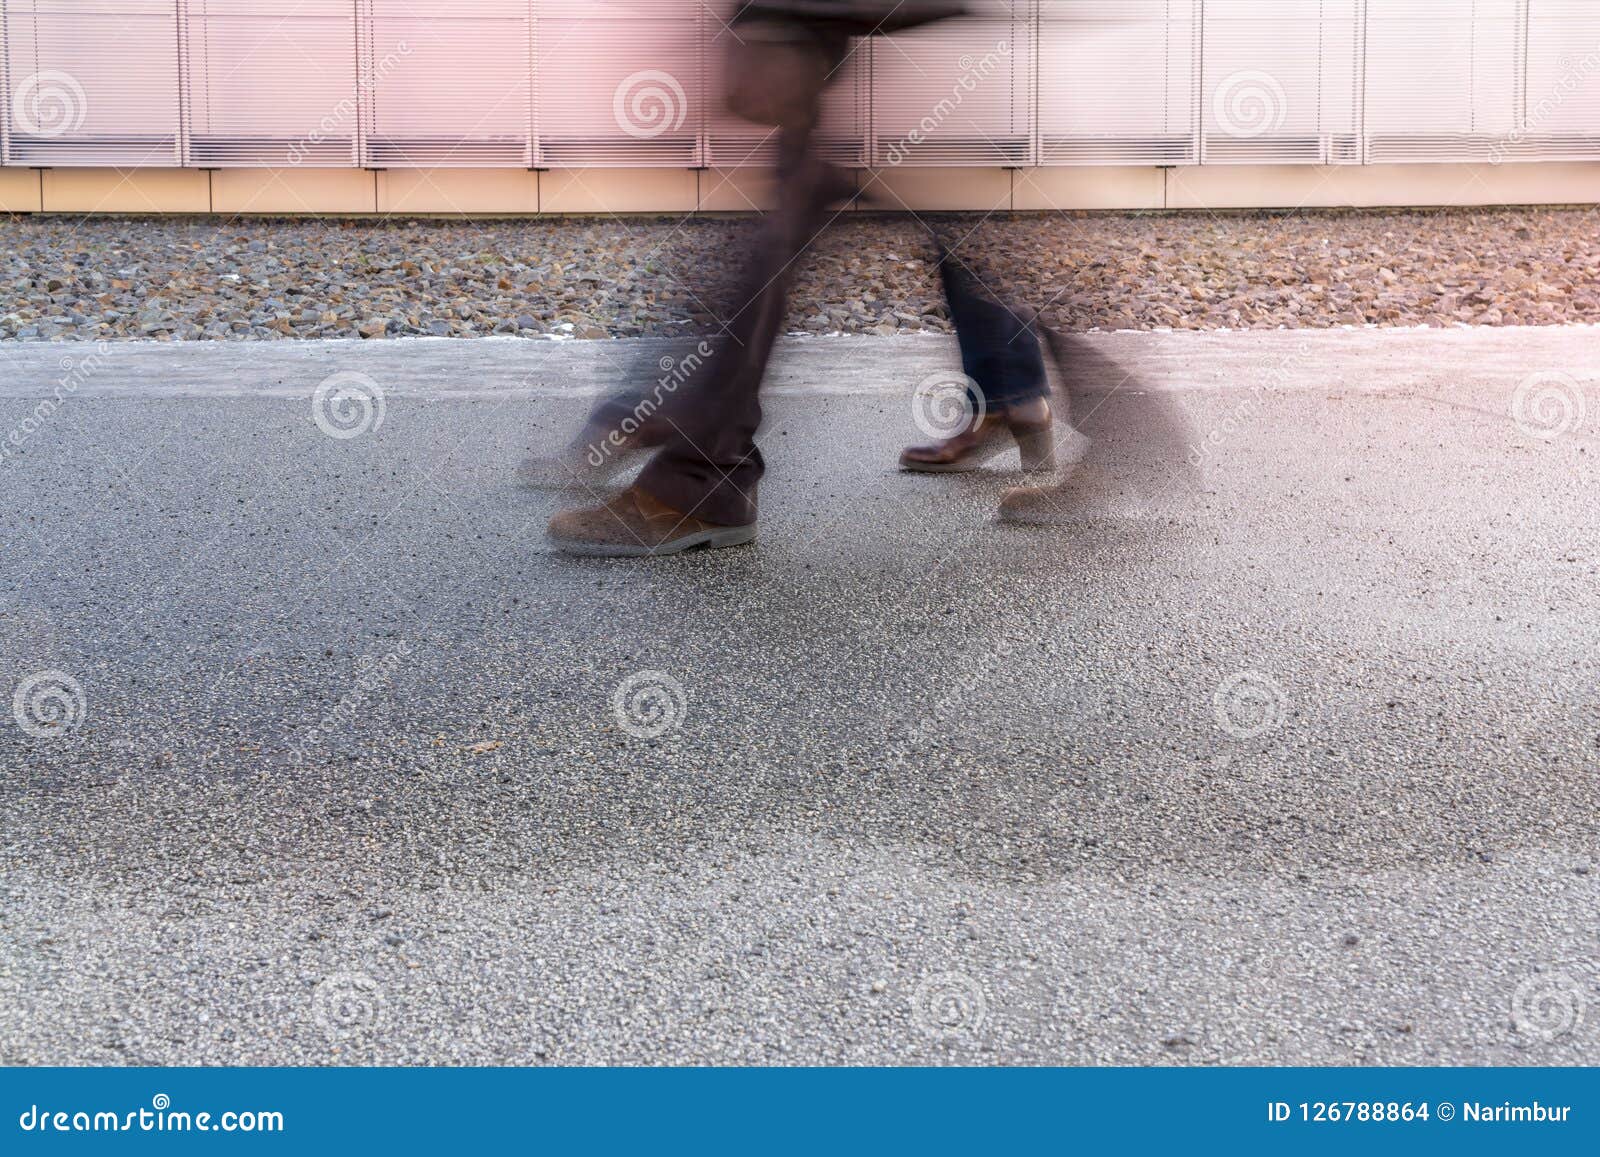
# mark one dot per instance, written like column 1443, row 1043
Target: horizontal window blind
column 573, row 83
column 847, row 109
column 270, row 88
column 731, row 142
column 5, row 89
column 1559, row 114
column 1118, row 82
column 1280, row 82
column 956, row 92
column 621, row 83
column 92, row 82
column 841, row 137
column 1442, row 77
column 447, row 84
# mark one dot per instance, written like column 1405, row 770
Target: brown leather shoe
column 1027, row 425
column 635, row 525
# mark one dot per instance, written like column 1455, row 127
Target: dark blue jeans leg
column 999, row 348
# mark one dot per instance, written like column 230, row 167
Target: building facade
column 516, row 106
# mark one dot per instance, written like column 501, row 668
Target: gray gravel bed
column 166, row 279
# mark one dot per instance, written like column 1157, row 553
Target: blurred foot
column 593, row 459
column 635, row 525
column 1086, row 493
column 1037, row 505
column 1027, row 425
column 573, row 468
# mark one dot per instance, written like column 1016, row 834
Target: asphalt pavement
column 1279, row 749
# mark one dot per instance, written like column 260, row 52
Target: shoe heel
column 1038, row 449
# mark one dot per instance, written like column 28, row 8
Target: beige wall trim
column 21, row 190
column 514, row 192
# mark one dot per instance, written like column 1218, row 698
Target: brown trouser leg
column 709, row 465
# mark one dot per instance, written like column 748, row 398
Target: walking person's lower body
column 1007, row 386
column 699, row 487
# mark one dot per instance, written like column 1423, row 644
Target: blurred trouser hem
column 703, row 491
